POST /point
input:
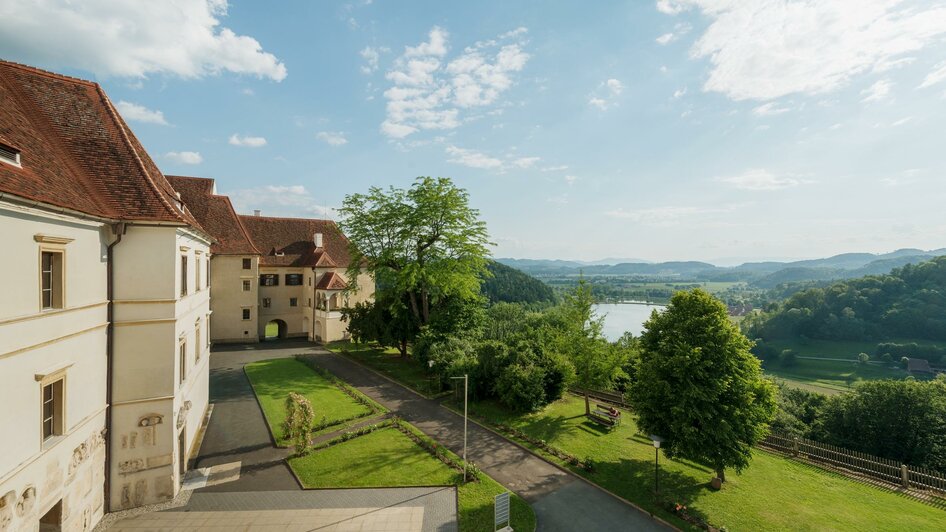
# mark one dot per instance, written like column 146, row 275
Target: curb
column 565, row 470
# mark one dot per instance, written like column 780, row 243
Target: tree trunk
column 425, row 305
column 402, row 348
column 414, row 308
column 721, row 474
column 587, row 404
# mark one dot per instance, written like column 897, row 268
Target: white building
column 104, row 320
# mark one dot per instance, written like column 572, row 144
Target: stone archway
column 275, row 330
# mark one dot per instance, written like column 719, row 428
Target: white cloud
column 766, row 50
column 666, row 38
column 332, row 138
column 477, row 159
column 371, row 57
column 679, row 30
column 248, row 92
column 128, row 39
column 184, row 157
column 759, row 179
column 570, row 179
column 133, row 112
column 934, row 77
column 769, row 109
column 247, row 141
column 473, row 159
column 281, row 200
column 606, row 94
column 876, row 92
column 677, row 94
column 558, row 168
column 429, row 93
column 902, row 121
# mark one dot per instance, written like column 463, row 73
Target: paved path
column 266, row 496
column 562, row 501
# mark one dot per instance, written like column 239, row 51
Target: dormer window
column 9, row 155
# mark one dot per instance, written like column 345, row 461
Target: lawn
column 386, row 457
column 830, row 376
column 272, row 381
column 272, row 330
column 406, row 371
column 774, row 493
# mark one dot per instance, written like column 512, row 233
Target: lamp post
column 657, row 440
column 466, row 381
column 430, row 377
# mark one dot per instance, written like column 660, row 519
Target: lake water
column 621, row 317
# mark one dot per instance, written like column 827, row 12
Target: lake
column 621, row 317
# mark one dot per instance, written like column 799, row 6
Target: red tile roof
column 292, row 239
column 331, row 281
column 77, row 152
column 215, row 213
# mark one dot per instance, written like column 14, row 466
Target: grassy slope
column 773, row 494
column 388, row 362
column 273, row 380
column 387, row 457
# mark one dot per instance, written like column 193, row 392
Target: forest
column 909, row 302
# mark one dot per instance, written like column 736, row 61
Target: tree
column 596, row 362
column 902, row 420
column 422, row 245
column 699, row 387
column 863, row 359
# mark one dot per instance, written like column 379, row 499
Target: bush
column 863, row 358
column 521, row 388
column 886, row 358
column 904, row 362
column 300, row 420
column 788, row 358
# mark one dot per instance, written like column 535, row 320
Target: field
column 774, row 493
column 387, row 457
column 272, row 381
column 272, row 330
column 815, row 370
column 388, row 362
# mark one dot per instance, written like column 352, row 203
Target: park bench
column 602, row 414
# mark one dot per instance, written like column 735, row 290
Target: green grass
column 774, row 493
column 272, row 330
column 272, row 381
column 831, row 376
column 386, row 457
column 848, row 349
column 406, row 371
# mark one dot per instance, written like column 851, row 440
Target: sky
column 659, row 130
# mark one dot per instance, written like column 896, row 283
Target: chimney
column 317, row 239
column 256, row 212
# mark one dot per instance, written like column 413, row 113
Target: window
column 266, row 302
column 207, row 269
column 269, row 279
column 52, row 409
column 10, row 155
column 247, row 264
column 51, row 279
column 293, row 279
column 197, row 344
column 293, row 302
column 246, row 285
column 182, row 355
column 310, row 281
column 183, row 275
column 207, row 321
column 197, row 274
column 310, row 302
column 246, row 314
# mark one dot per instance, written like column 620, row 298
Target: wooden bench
column 602, row 418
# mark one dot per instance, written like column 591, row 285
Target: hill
column 909, row 302
column 513, row 286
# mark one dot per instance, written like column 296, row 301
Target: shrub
column 904, row 362
column 788, row 358
column 886, row 358
column 863, row 358
column 521, row 387
column 300, row 419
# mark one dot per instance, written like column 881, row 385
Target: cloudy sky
column 690, row 129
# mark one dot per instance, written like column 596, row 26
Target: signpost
column 502, row 513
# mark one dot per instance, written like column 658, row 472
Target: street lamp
column 430, row 377
column 657, row 440
column 466, row 381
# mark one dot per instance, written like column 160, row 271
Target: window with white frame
column 53, row 408
column 51, row 279
column 197, row 344
column 182, row 360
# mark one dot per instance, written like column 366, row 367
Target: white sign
column 502, row 512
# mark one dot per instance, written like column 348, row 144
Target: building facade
column 273, row 277
column 104, row 333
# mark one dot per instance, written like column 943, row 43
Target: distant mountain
column 764, row 274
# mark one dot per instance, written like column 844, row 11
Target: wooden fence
column 615, row 398
column 864, row 464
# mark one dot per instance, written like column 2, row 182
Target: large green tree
column 423, row 246
column 699, row 387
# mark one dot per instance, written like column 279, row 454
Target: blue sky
column 694, row 129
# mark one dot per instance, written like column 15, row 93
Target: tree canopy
column 509, row 285
column 424, row 246
column 698, row 386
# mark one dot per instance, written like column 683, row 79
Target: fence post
column 905, row 475
column 794, row 445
